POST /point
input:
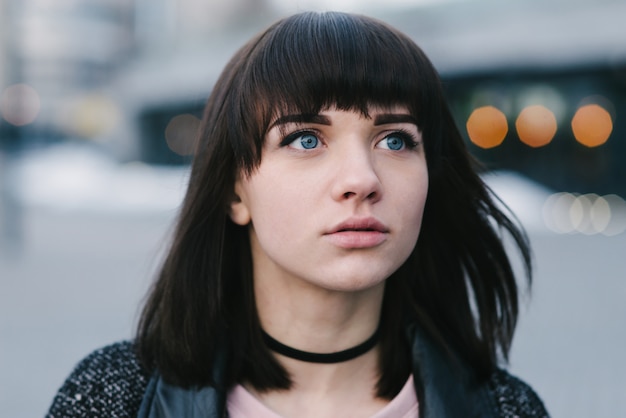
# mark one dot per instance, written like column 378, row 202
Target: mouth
column 360, row 225
column 358, row 233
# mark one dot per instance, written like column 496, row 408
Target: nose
column 356, row 178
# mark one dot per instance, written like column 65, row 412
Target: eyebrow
column 385, row 118
column 381, row 119
column 303, row 118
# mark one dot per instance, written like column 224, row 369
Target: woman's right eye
column 301, row 140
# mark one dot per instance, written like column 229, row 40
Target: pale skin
column 333, row 209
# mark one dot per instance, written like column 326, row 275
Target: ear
column 239, row 212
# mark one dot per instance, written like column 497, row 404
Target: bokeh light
column 592, row 125
column 536, row 126
column 487, row 127
column 92, row 115
column 181, row 132
column 556, row 212
column 600, row 214
column 579, row 214
column 20, row 104
column 587, row 214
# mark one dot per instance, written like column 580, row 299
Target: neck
column 312, row 319
column 318, row 320
column 321, row 358
column 338, row 389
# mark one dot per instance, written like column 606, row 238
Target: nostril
column 349, row 195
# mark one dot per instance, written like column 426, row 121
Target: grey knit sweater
column 111, row 383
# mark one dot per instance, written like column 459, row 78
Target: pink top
column 242, row 404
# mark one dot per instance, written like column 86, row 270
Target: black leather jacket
column 111, row 383
column 445, row 389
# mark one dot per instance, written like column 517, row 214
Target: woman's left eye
column 301, row 140
column 394, row 142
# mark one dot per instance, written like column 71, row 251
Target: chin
column 357, row 276
column 353, row 283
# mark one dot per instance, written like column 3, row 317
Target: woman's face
column 338, row 198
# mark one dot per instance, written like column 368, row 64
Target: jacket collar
column 162, row 400
column 445, row 386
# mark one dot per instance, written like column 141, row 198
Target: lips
column 363, row 224
column 357, row 233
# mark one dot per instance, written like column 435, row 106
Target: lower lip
column 357, row 239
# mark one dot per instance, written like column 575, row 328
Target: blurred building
column 549, row 81
column 54, row 52
column 536, row 86
column 64, row 54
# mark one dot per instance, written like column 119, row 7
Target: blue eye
column 301, row 140
column 393, row 142
column 308, row 141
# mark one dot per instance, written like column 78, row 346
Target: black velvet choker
column 336, row 357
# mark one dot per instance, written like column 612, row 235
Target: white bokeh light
column 588, row 214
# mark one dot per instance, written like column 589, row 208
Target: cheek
column 420, row 198
column 276, row 207
column 414, row 204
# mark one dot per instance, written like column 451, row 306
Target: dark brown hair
column 458, row 284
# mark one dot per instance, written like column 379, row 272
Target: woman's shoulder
column 109, row 382
column 514, row 397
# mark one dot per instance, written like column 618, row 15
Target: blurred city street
column 81, row 270
column 100, row 102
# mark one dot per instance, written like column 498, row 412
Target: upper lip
column 359, row 224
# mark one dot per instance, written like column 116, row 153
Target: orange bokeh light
column 592, row 125
column 487, row 127
column 536, row 126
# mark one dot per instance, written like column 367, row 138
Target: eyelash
column 288, row 139
column 408, row 137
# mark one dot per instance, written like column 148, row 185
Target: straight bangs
column 314, row 61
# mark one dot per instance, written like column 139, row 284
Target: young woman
column 336, row 254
